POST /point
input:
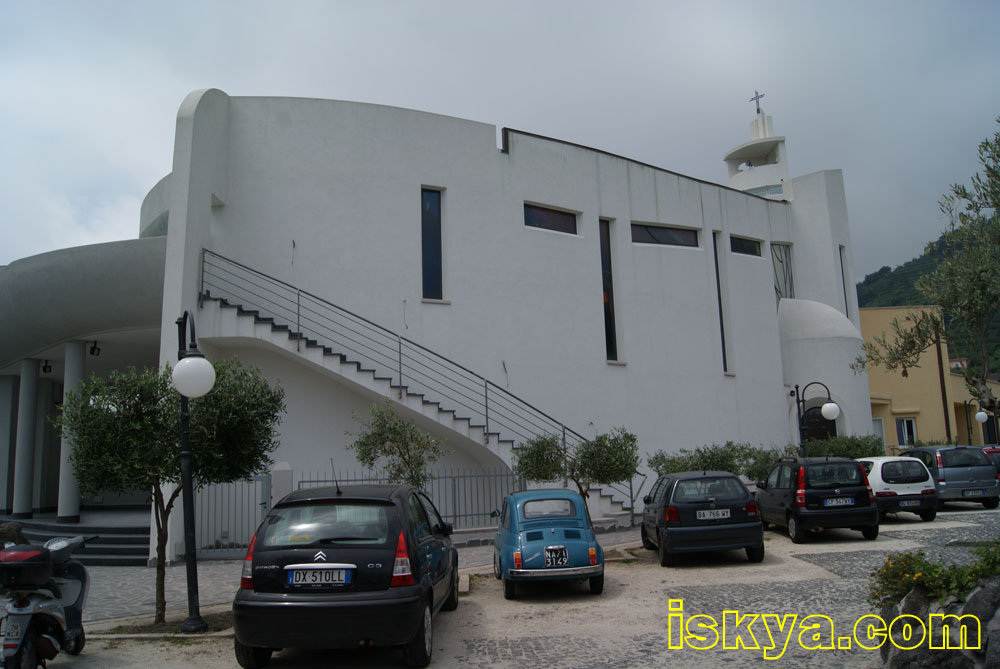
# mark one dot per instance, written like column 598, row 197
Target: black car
column 346, row 567
column 688, row 512
column 805, row 494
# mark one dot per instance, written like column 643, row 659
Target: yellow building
column 931, row 403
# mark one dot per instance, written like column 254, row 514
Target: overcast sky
column 896, row 94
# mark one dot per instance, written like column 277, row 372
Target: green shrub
column 845, row 447
column 902, row 571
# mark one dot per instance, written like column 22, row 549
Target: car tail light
column 928, row 491
column 940, row 466
column 751, row 508
column 517, row 559
column 593, row 555
column 800, row 488
column 887, row 493
column 671, row 514
column 864, row 477
column 402, row 574
column 246, row 576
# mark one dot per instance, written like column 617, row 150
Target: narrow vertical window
column 430, row 201
column 781, row 257
column 718, row 293
column 610, row 338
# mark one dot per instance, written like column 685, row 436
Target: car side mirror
column 495, row 513
column 647, row 500
column 446, row 529
column 761, row 484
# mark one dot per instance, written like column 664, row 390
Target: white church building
column 357, row 252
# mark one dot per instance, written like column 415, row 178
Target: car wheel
column 795, row 532
column 251, row 657
column 755, row 554
column 929, row 515
column 597, row 584
column 496, row 565
column 451, row 603
column 870, row 533
column 74, row 646
column 991, row 503
column 417, row 653
column 666, row 559
column 646, row 543
column 509, row 589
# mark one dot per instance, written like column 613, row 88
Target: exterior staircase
column 238, row 301
column 115, row 545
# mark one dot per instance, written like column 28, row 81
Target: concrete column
column 24, row 457
column 7, row 439
column 69, row 489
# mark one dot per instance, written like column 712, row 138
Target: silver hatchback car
column 961, row 473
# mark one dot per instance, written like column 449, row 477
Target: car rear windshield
column 338, row 522
column 964, row 457
column 995, row 456
column 833, row 474
column 720, row 488
column 904, row 471
column 549, row 508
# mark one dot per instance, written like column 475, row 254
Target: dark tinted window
column 831, row 475
column 430, row 206
column 785, row 480
column 418, row 519
column 904, row 471
column 748, row 247
column 964, row 457
column 658, row 234
column 720, row 488
column 995, row 457
column 772, row 479
column 867, row 466
column 343, row 522
column 610, row 336
column 437, row 523
column 549, row 219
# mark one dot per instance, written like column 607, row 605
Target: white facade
column 326, row 196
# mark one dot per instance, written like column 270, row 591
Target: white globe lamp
column 830, row 410
column 981, row 416
column 193, row 376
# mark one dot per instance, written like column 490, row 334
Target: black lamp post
column 193, row 376
column 830, row 411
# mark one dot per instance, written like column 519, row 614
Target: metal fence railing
column 228, row 514
column 464, row 497
column 409, row 366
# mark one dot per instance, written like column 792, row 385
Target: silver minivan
column 961, row 473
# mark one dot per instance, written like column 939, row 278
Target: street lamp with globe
column 193, row 376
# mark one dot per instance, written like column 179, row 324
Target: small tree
column 965, row 284
column 608, row 458
column 126, row 435
column 406, row 450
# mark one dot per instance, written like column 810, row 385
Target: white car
column 901, row 484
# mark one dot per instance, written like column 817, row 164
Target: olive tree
column 404, row 451
column 126, row 434
column 608, row 458
column 965, row 283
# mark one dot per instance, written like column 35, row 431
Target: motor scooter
column 47, row 589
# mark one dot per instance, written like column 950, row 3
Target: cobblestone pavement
column 564, row 626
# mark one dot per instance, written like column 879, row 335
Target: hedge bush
column 902, row 571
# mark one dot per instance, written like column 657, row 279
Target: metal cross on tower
column 756, row 98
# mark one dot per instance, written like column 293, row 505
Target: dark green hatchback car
column 690, row 512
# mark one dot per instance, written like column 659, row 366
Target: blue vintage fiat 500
column 545, row 535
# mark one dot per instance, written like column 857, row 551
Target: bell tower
column 760, row 166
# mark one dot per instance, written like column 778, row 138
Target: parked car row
column 359, row 566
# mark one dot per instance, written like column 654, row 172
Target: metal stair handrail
column 408, row 366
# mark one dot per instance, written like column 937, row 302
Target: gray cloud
column 897, row 94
